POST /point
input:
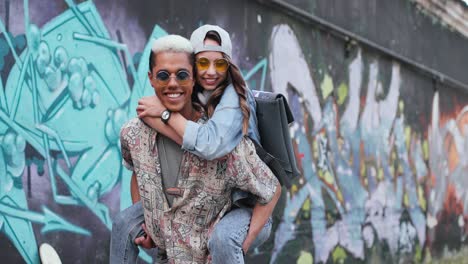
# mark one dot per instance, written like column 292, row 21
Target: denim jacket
column 223, row 131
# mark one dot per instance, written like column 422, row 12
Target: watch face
column 165, row 116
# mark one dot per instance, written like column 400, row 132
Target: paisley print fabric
column 205, row 188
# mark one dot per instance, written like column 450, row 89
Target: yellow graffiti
column 407, row 136
column 421, row 198
column 425, row 148
column 305, row 258
column 342, row 93
column 326, row 86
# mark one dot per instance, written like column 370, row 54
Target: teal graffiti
column 66, row 96
column 50, row 94
column 263, row 66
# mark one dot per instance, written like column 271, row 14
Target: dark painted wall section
column 382, row 150
column 399, row 26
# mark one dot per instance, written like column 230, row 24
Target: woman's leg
column 125, row 228
column 225, row 243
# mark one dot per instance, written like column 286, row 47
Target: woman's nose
column 211, row 70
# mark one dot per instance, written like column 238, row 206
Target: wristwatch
column 165, row 115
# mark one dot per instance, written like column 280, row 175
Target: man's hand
column 260, row 215
column 149, row 106
column 247, row 243
column 145, row 241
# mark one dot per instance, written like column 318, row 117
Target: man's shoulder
column 244, row 148
column 133, row 123
column 133, row 126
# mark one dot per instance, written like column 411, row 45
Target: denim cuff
column 190, row 135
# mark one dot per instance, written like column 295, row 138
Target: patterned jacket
column 206, row 186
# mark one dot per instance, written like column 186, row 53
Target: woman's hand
column 149, row 106
column 149, row 110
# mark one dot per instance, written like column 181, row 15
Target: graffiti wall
column 382, row 149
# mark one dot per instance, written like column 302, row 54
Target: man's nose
column 172, row 82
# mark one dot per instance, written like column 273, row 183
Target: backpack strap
column 273, row 164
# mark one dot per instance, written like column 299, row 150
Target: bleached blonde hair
column 170, row 43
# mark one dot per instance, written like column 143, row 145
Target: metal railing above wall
column 350, row 37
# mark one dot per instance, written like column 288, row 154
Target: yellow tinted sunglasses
column 220, row 65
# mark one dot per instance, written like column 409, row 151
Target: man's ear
column 150, row 77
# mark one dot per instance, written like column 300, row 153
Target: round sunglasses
column 182, row 77
column 220, row 65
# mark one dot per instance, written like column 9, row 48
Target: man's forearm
column 168, row 131
column 178, row 123
column 260, row 216
column 134, row 193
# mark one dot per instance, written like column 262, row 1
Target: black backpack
column 274, row 117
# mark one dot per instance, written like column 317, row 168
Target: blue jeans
column 225, row 243
column 126, row 227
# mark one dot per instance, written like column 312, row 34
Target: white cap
column 199, row 35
